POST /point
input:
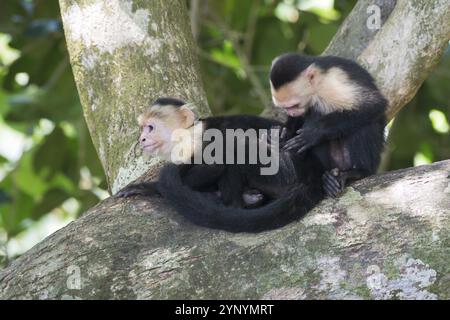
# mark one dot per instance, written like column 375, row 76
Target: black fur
column 350, row 140
column 205, row 211
column 289, row 194
column 164, row 101
column 288, row 67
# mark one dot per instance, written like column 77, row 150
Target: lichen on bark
column 387, row 237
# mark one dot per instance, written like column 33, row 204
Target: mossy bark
column 125, row 54
column 387, row 237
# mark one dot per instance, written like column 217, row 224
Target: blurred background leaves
column 49, row 170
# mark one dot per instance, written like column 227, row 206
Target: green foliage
column 420, row 131
column 39, row 103
column 237, row 41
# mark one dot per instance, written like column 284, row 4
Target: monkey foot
column 143, row 189
column 333, row 183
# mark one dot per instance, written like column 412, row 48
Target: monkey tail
column 202, row 210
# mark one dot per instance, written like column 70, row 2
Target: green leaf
column 57, row 154
column 320, row 37
column 272, row 31
column 10, row 9
column 26, row 179
column 32, row 104
column 16, row 210
column 227, row 57
column 38, row 61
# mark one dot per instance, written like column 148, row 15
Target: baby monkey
column 335, row 111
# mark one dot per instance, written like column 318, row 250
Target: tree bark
column 386, row 237
column 125, row 54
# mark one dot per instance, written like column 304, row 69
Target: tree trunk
column 124, row 55
column 386, row 237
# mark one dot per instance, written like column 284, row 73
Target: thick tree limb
column 387, row 237
column 354, row 35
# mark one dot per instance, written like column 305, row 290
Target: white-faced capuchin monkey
column 287, row 195
column 335, row 110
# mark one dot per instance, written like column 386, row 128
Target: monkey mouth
column 150, row 147
column 295, row 106
column 294, row 110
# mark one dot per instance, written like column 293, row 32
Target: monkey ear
column 311, row 74
column 140, row 120
column 189, row 116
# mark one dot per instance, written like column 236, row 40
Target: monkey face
column 293, row 97
column 161, row 125
column 155, row 137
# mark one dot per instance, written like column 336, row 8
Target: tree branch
column 354, row 35
column 386, row 237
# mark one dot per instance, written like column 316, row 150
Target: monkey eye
column 150, row 127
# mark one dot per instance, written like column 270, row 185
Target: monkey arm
column 333, row 126
column 231, row 187
column 342, row 123
column 198, row 177
column 288, row 130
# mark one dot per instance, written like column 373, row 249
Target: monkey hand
column 304, row 140
column 282, row 136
